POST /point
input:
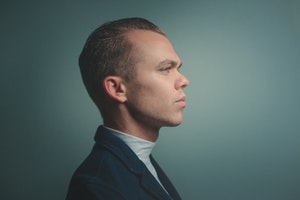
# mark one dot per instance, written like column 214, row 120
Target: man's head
column 131, row 72
column 109, row 52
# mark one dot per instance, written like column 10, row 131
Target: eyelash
column 166, row 69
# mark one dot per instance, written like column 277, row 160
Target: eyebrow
column 170, row 62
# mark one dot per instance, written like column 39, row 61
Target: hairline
column 136, row 53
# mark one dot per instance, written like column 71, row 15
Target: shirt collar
column 142, row 148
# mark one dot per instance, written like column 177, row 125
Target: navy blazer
column 112, row 171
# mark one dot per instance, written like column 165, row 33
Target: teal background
column 240, row 139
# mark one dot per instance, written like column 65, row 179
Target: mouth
column 181, row 101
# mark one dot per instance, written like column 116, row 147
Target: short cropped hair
column 108, row 52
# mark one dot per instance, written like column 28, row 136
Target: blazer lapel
column 165, row 180
column 150, row 184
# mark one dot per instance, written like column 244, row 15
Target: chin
column 175, row 123
column 171, row 122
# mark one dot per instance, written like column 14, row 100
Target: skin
column 155, row 98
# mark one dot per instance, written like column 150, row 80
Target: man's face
column 155, row 97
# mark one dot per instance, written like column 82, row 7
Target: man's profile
column 131, row 72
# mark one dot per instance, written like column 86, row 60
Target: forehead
column 149, row 44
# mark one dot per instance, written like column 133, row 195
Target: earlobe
column 115, row 88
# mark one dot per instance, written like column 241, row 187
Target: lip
column 181, row 101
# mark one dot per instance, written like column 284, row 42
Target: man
column 131, row 72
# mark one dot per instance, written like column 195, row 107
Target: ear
column 115, row 88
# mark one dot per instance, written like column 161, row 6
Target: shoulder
column 107, row 170
column 105, row 176
column 99, row 163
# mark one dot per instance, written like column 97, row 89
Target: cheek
column 149, row 99
column 151, row 91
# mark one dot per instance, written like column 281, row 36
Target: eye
column 166, row 69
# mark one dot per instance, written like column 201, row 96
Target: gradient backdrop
column 241, row 136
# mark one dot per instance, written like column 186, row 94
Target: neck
column 134, row 130
column 119, row 118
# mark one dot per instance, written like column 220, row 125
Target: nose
column 182, row 82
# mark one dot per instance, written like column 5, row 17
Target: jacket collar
column 116, row 146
